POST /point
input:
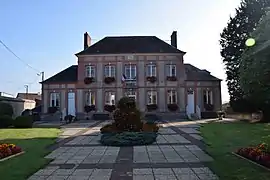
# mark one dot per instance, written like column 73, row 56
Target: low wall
column 19, row 105
column 240, row 116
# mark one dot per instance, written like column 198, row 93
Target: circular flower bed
column 9, row 150
column 128, row 138
column 127, row 128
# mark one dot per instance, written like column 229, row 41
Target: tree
column 254, row 71
column 232, row 43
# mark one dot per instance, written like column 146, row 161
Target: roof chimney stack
column 174, row 39
column 87, row 40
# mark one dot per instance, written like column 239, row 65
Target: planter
column 251, row 161
column 88, row 80
column 171, row 78
column 109, row 80
column 151, row 107
column 172, row 107
column 109, row 108
column 90, row 108
column 12, row 156
column 151, row 79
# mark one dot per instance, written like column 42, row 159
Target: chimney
column 87, row 40
column 174, row 39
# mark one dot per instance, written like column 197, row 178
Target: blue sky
column 47, row 34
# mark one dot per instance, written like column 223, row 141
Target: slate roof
column 67, row 75
column 130, row 44
column 31, row 96
column 70, row 75
column 195, row 74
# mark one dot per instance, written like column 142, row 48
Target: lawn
column 33, row 142
column 222, row 139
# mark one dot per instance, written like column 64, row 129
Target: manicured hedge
column 23, row 122
column 128, row 138
column 5, row 121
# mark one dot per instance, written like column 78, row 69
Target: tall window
column 54, row 99
column 109, row 71
column 130, row 72
column 90, row 71
column 110, row 98
column 207, row 96
column 90, row 98
column 151, row 97
column 151, row 70
column 171, row 70
column 172, row 97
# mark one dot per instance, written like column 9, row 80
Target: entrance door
column 71, row 103
column 190, row 102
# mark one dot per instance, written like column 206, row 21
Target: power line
column 28, row 65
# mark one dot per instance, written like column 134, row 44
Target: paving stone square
column 190, row 130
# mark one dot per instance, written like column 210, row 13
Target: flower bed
column 8, row 150
column 259, row 154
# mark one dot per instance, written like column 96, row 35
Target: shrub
column 23, row 122
column 108, row 128
column 151, row 107
column 6, row 109
column 150, row 127
column 52, row 110
column 172, row 107
column 69, row 118
column 26, row 112
column 128, row 138
column 109, row 108
column 90, row 108
column 209, row 107
column 5, row 121
column 126, row 103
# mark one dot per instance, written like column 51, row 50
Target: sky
column 46, row 34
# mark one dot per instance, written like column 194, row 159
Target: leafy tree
column 232, row 43
column 254, row 73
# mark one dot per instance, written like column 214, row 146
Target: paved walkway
column 177, row 155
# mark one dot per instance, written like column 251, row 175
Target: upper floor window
column 172, row 97
column 90, row 71
column 171, row 70
column 109, row 71
column 151, row 97
column 55, row 99
column 130, row 72
column 110, row 98
column 90, row 98
column 151, row 70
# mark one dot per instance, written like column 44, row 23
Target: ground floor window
column 110, row 98
column 90, row 98
column 151, row 97
column 207, row 96
column 131, row 94
column 54, row 99
column 172, row 97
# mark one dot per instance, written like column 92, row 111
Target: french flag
column 123, row 78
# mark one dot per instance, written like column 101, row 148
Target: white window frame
column 170, row 94
column 90, row 71
column 151, row 93
column 88, row 98
column 111, row 101
column 209, row 96
column 130, row 67
column 170, row 68
column 152, row 68
column 54, row 98
column 111, row 69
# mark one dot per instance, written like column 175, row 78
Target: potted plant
column 52, row 110
column 220, row 115
column 109, row 80
column 151, row 79
column 109, row 108
column 172, row 107
column 88, row 109
column 151, row 107
column 209, row 107
column 88, row 80
column 171, row 78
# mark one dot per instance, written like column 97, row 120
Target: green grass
column 222, row 139
column 33, row 142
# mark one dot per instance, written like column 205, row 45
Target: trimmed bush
column 52, row 110
column 5, row 121
column 109, row 108
column 150, row 127
column 26, row 112
column 88, row 108
column 172, row 107
column 23, row 122
column 128, row 138
column 6, row 109
column 69, row 118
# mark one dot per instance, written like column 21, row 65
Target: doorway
column 71, row 104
